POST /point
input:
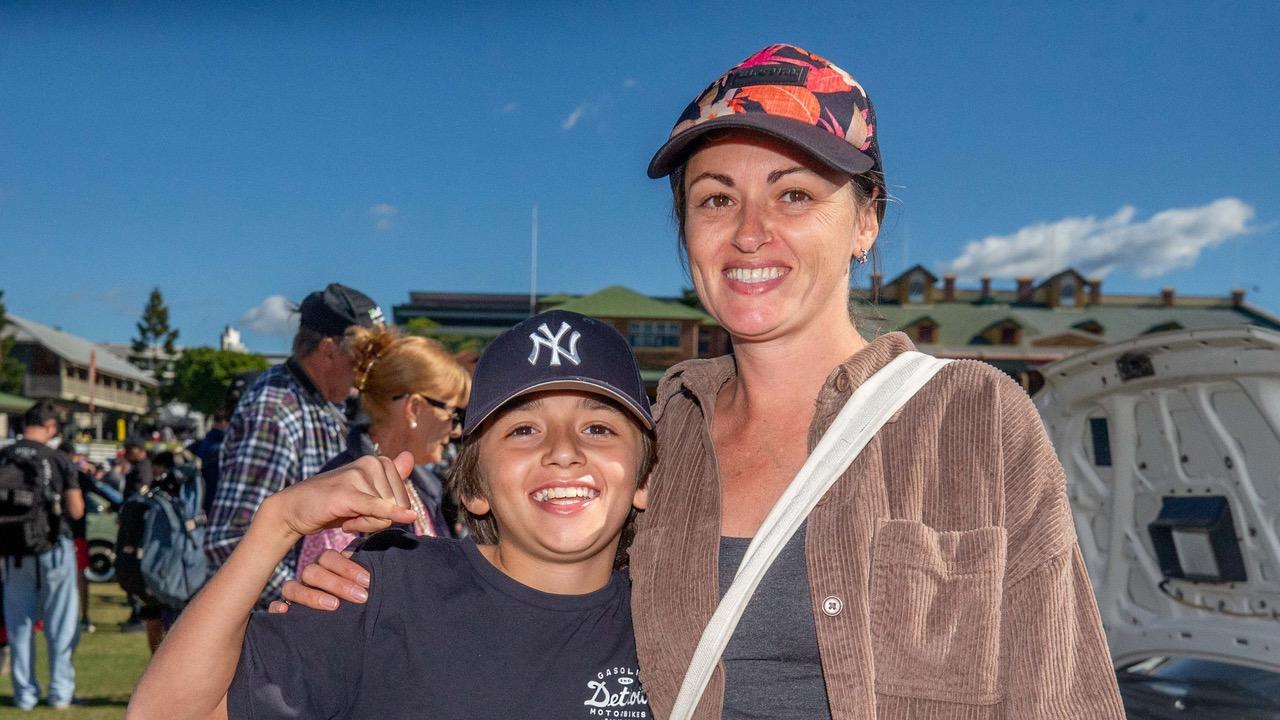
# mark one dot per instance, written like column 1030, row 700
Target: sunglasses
column 456, row 414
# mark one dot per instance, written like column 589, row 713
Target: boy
column 526, row 619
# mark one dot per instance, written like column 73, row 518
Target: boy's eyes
column 599, row 429
column 520, row 430
column 596, row 429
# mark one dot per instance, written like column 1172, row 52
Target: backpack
column 30, row 508
column 160, row 543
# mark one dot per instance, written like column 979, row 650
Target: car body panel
column 1186, row 414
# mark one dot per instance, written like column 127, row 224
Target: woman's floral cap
column 793, row 95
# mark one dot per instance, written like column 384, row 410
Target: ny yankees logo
column 552, row 343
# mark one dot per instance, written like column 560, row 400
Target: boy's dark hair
column 465, row 481
column 40, row 413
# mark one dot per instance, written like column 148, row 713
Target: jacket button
column 842, row 381
column 832, row 606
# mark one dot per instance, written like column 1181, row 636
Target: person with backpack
column 160, row 544
column 39, row 496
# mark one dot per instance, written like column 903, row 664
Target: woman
column 940, row 576
column 412, row 391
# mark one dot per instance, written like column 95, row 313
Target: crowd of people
column 605, row 541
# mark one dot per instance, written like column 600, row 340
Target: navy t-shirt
column 444, row 634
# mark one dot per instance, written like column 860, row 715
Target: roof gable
column 623, row 302
column 1081, row 281
column 928, row 275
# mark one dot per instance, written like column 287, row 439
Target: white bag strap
column 866, row 411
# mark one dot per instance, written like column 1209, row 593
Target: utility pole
column 533, row 265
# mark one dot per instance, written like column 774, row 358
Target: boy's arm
column 198, row 659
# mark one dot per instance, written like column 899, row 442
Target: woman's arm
column 198, row 659
column 1054, row 655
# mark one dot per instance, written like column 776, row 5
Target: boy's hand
column 332, row 578
column 365, row 496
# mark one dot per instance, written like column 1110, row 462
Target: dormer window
column 1067, row 292
column 915, row 289
column 925, row 334
column 1090, row 326
column 1009, row 335
column 1163, row 327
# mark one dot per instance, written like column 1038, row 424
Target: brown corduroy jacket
column 943, row 565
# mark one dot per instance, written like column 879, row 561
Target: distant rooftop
column 622, row 302
column 75, row 349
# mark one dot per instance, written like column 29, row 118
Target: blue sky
column 229, row 152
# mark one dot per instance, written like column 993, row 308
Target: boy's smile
column 566, row 497
column 560, row 469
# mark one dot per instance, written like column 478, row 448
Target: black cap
column 332, row 310
column 556, row 350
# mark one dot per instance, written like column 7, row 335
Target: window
column 654, row 334
column 1009, row 335
column 1067, row 293
column 925, row 333
column 915, row 289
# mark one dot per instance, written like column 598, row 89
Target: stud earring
column 861, row 259
column 413, row 424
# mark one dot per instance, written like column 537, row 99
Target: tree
column 154, row 334
column 202, row 375
column 689, row 296
column 428, row 328
column 12, row 369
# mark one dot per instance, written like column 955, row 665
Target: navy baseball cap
column 556, row 350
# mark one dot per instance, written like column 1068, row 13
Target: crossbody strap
column 867, row 410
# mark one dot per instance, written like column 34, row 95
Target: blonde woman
column 413, row 392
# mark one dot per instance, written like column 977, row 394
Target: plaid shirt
column 282, row 431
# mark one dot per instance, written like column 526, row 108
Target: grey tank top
column 772, row 667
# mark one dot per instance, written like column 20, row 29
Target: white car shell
column 1188, row 414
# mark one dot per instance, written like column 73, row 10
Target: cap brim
column 829, row 149
column 587, row 384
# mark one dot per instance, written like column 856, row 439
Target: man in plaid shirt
column 289, row 422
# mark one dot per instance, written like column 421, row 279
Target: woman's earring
column 413, row 424
column 861, row 259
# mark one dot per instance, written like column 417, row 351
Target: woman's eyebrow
column 777, row 175
column 712, row 176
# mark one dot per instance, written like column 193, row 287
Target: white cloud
column 583, row 108
column 510, row 107
column 384, row 216
column 273, row 316
column 629, row 83
column 1166, row 241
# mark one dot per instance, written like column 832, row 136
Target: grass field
column 107, row 663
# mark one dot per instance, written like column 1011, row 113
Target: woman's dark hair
column 465, row 482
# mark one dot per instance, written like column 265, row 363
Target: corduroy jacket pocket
column 935, row 612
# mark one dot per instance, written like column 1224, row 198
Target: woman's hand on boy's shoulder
column 323, row 584
column 361, row 497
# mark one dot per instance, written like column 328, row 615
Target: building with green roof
column 1035, row 323
column 662, row 332
column 1015, row 329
